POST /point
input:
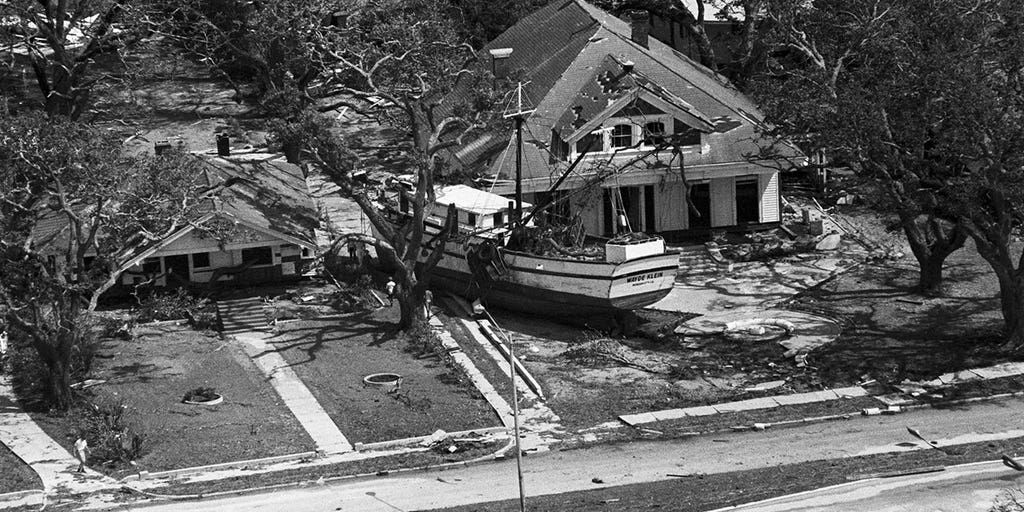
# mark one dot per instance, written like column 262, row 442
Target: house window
column 590, row 142
column 685, row 135
column 747, row 203
column 622, row 136
column 151, row 266
column 654, row 133
column 499, row 219
column 258, row 256
column 200, row 260
column 471, row 219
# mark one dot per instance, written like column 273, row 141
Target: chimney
column 640, row 26
column 162, row 147
column 223, row 144
column 500, row 62
column 337, row 19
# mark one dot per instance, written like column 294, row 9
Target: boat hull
column 557, row 287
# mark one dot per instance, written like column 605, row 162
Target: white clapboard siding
column 769, row 185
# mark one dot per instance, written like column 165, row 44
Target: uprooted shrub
column 116, row 328
column 178, row 305
column 113, row 440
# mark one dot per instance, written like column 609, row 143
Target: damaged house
column 256, row 225
column 598, row 82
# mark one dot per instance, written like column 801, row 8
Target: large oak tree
column 853, row 79
column 73, row 212
column 59, row 43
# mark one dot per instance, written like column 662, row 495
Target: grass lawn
column 333, row 356
column 16, row 475
column 890, row 333
column 592, row 388
column 153, row 372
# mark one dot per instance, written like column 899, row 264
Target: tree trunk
column 930, row 280
column 994, row 246
column 931, row 241
column 410, row 298
column 59, row 384
column 412, row 313
column 1011, row 295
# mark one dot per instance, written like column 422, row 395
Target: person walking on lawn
column 390, row 288
column 81, row 453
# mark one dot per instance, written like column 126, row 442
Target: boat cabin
column 478, row 210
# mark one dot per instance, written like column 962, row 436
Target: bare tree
column 74, row 211
column 845, row 80
column 259, row 48
column 60, row 43
column 394, row 62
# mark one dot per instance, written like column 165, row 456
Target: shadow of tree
column 313, row 336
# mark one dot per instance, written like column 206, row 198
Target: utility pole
column 515, row 408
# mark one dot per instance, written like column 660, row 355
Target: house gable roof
column 258, row 190
column 573, row 59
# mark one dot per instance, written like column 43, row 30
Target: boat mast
column 519, row 115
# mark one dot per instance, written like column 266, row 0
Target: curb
column 842, row 416
column 408, row 441
column 767, row 501
column 488, row 331
column 26, row 498
column 926, row 405
column 496, row 456
column 146, row 475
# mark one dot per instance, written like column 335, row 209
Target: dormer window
column 654, row 133
column 622, row 136
column 643, row 132
column 592, row 142
column 686, row 135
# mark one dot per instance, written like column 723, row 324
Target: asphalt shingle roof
column 567, row 53
column 258, row 189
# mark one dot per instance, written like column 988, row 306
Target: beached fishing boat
column 609, row 277
column 498, row 257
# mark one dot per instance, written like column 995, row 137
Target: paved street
column 967, row 488
column 559, row 472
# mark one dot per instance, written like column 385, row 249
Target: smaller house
column 256, row 226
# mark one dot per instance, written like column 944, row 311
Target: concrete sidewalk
column 243, row 320
column 753, row 404
column 56, row 467
column 296, row 396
